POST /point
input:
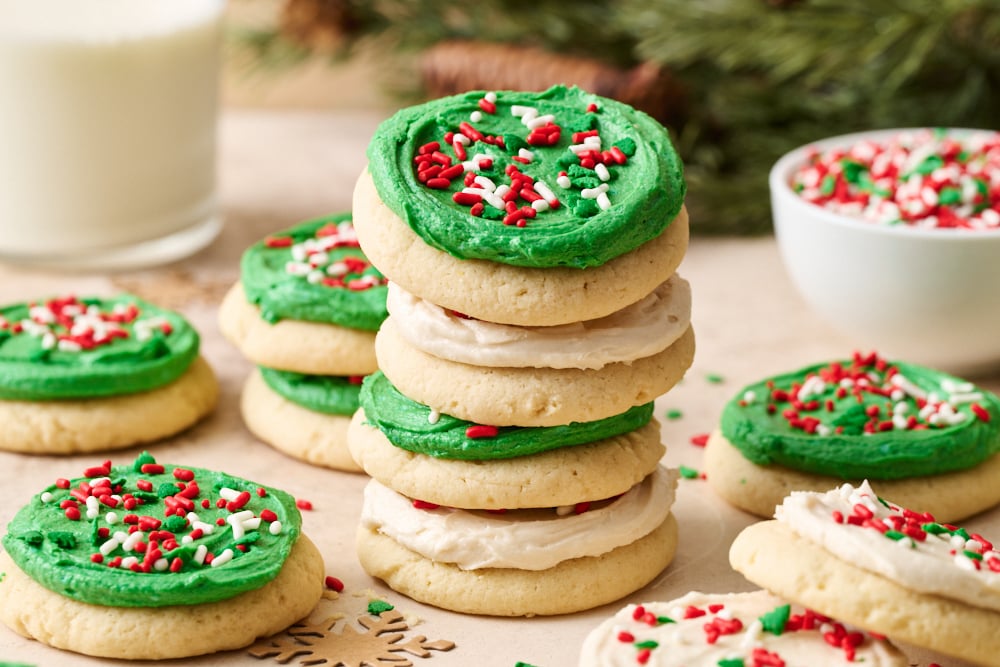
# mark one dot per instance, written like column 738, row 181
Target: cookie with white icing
column 731, row 630
column 891, row 570
column 924, row 438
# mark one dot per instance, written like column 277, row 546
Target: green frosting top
column 865, row 418
column 315, row 271
column 148, row 535
column 411, row 426
column 566, row 178
column 69, row 347
column 329, row 394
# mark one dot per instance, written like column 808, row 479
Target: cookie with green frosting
column 159, row 544
column 83, row 374
column 416, row 428
column 315, row 272
column 87, row 347
column 560, row 178
column 302, row 415
column 893, row 423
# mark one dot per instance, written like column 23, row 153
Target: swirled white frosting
column 521, row 539
column 951, row 566
column 684, row 642
column 640, row 330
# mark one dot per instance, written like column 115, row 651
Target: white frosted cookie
column 759, row 489
column 113, row 422
column 893, row 571
column 528, row 396
column 295, row 345
column 562, row 476
column 730, row 630
column 511, row 294
column 162, row 633
column 572, row 585
column 314, row 437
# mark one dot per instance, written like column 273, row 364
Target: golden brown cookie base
column 158, row 633
column 511, row 294
column 758, row 489
column 114, row 422
column 294, row 345
column 570, row 586
column 563, row 476
column 773, row 557
column 313, row 437
column 528, row 396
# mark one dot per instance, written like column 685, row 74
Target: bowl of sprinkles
column 893, row 236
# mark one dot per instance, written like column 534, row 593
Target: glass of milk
column 108, row 114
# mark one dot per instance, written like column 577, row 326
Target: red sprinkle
column 183, row 474
column 72, row 513
column 335, row 584
column 278, row 241
column 980, row 412
column 151, row 469
column 477, row 431
column 303, row 504
column 699, row 440
column 424, row 505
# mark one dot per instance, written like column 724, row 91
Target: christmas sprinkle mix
column 150, row 534
column 735, row 630
column 492, row 175
column 312, row 258
column 924, row 178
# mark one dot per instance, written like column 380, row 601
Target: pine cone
column 320, row 25
column 455, row 66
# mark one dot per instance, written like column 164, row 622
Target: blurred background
column 738, row 82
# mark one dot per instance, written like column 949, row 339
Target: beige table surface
column 281, row 167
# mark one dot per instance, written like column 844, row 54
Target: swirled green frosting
column 410, row 426
column 315, row 271
column 329, row 394
column 68, row 348
column 58, row 551
column 864, row 418
column 644, row 192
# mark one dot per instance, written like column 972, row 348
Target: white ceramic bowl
column 929, row 296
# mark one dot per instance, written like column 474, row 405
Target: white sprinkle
column 592, row 193
column 187, row 539
column 525, row 153
column 538, row 121
column 109, row 546
column 133, row 539
column 160, row 565
column 223, row 558
column 490, row 97
column 564, row 182
column 486, row 183
column 207, row 528
column 957, row 541
column 128, row 562
column 237, row 526
column 297, row 268
column 461, row 138
column 502, row 190
column 899, row 380
column 753, row 633
column 251, row 524
column 519, row 110
column 121, row 535
column 46, row 497
column 274, row 528
column 603, row 201
column 433, row 416
column 476, row 116
column 602, row 171
column 299, row 252
column 565, row 510
column 315, row 277
column 48, row 341
column 544, row 190
column 961, row 399
column 229, row 494
column 749, row 396
column 470, row 165
column 337, row 269
column 540, row 205
column 200, row 553
column 93, row 507
column 822, row 430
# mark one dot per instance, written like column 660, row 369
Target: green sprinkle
column 522, row 664
column 894, row 535
column 972, row 554
column 714, row 378
column 827, row 185
column 626, row 146
column 853, row 171
column 930, row 163
column 663, row 620
column 166, row 489
column 934, row 528
column 31, row 537
column 688, row 473
column 586, row 208
column 674, row 414
column 775, row 620
column 376, row 607
column 730, row 662
column 649, row 643
column 142, row 460
column 514, row 143
column 490, row 213
column 175, row 524
column 949, row 196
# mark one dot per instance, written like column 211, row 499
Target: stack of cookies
column 531, row 242
column 305, row 311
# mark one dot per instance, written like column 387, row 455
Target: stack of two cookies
column 531, row 241
column 305, row 311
